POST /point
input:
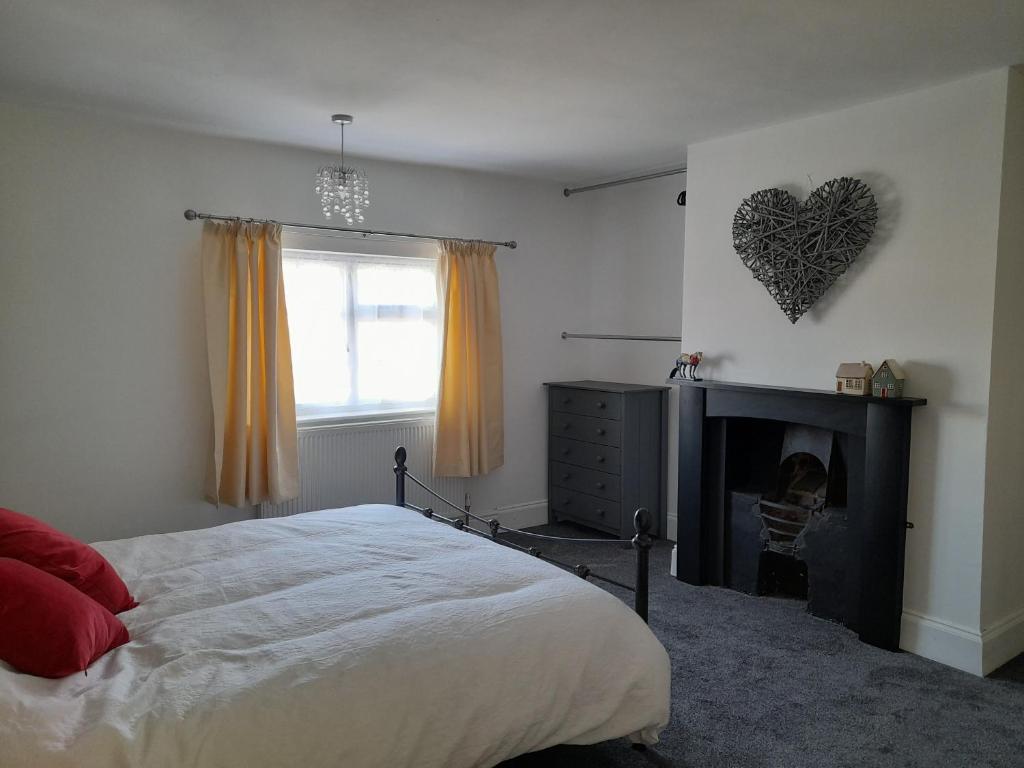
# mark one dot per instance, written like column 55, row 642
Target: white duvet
column 366, row 636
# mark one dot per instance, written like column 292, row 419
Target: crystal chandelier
column 343, row 191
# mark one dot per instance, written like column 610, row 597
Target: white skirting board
column 524, row 515
column 963, row 647
column 1002, row 641
column 941, row 641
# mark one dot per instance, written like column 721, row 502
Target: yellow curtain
column 255, row 456
column 469, row 437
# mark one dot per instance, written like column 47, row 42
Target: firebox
column 801, row 491
column 785, row 538
column 797, row 492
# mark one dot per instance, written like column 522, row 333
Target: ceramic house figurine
column 888, row 380
column 854, row 378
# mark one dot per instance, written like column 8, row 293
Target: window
column 364, row 333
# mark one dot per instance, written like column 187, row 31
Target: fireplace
column 797, row 492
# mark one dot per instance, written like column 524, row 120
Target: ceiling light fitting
column 344, row 191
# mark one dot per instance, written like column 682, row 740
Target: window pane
column 317, row 298
column 364, row 334
column 396, row 333
column 411, row 285
column 397, row 361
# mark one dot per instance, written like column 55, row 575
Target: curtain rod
column 191, row 214
column 670, row 172
column 567, row 335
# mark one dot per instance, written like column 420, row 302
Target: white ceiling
column 569, row 90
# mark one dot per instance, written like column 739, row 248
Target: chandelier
column 343, row 190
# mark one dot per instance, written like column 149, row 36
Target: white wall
column 1002, row 606
column 104, row 400
column 634, row 268
column 922, row 293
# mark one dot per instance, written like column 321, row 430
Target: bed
column 365, row 636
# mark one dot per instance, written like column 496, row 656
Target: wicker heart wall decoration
column 797, row 250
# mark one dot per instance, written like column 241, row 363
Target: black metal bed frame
column 641, row 541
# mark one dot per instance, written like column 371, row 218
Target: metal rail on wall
column 619, row 336
column 629, row 180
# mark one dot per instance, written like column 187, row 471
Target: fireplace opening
column 785, row 513
column 800, row 494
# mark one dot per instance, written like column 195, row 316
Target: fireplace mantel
column 877, row 436
column 795, row 392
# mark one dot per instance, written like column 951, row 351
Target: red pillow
column 31, row 541
column 51, row 629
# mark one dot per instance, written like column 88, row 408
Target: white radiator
column 348, row 464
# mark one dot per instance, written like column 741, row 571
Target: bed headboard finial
column 642, row 541
column 642, row 522
column 400, row 469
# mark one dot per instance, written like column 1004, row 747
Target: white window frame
column 309, row 417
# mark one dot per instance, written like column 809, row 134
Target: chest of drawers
column 606, row 454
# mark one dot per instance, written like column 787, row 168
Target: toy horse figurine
column 686, row 366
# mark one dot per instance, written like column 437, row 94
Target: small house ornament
column 888, row 380
column 854, row 378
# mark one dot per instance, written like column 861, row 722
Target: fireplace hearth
column 797, row 492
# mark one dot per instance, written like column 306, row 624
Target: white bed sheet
column 366, row 636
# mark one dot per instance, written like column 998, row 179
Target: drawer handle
column 565, row 451
column 566, row 475
column 601, row 431
column 566, row 400
column 601, row 404
column 599, row 486
column 566, row 425
column 566, row 502
column 600, row 459
column 600, row 513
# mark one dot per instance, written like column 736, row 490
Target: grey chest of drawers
column 606, row 454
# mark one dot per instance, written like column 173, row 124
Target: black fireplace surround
column 737, row 444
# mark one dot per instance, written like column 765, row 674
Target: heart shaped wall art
column 797, row 250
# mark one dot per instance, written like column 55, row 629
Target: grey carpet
column 757, row 681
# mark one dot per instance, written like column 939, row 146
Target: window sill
column 358, row 419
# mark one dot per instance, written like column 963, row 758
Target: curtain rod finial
column 512, row 244
column 191, row 214
column 566, row 191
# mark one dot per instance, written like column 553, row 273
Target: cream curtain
column 255, row 456
column 469, row 437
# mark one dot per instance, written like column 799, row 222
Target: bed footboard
column 642, row 541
